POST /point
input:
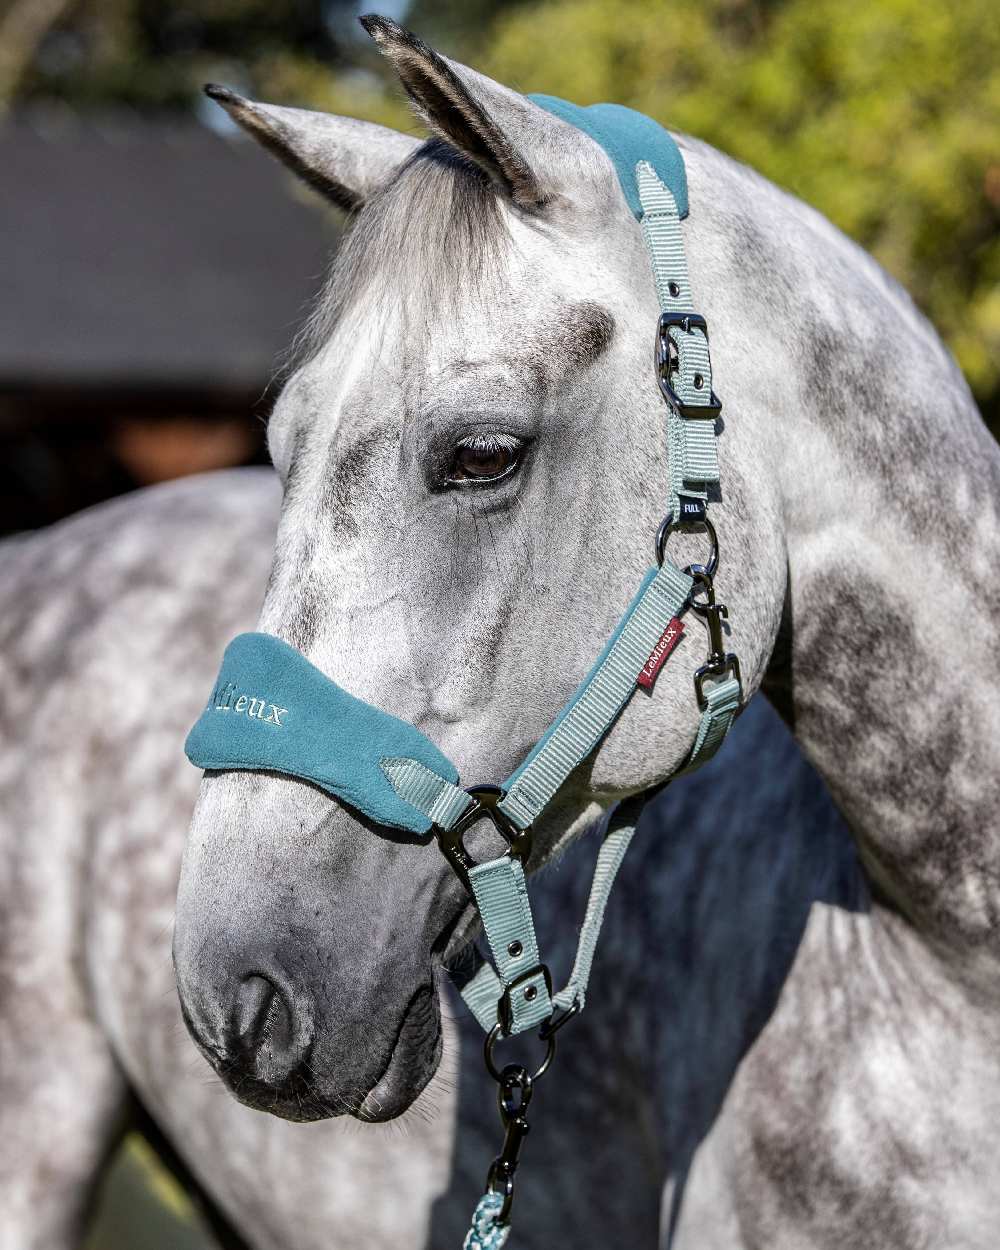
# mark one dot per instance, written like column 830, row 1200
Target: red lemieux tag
column 669, row 639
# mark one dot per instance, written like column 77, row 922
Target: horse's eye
column 484, row 459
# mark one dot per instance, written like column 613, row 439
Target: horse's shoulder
column 185, row 559
column 63, row 580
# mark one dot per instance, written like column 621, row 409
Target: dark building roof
column 149, row 255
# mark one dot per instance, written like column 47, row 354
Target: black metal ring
column 491, row 1040
column 669, row 526
column 451, row 841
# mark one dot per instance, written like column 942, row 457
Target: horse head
column 472, row 449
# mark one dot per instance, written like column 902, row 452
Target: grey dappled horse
column 111, row 626
column 491, row 317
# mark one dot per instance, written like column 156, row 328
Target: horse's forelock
column 433, row 235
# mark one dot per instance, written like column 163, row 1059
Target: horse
column 116, row 614
column 473, row 455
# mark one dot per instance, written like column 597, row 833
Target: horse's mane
column 435, row 231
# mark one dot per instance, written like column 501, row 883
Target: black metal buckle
column 505, row 1008
column 686, row 321
column 451, row 841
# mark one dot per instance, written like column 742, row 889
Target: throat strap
column 486, row 988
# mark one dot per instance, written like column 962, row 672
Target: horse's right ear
column 342, row 158
column 473, row 114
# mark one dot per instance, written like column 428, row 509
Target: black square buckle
column 505, row 1008
column 452, row 841
column 686, row 321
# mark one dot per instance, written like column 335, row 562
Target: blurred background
column 154, row 264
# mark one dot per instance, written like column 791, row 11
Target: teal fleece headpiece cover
column 272, row 709
column 628, row 137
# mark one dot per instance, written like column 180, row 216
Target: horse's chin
column 413, row 1062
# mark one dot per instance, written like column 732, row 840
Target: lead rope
column 516, row 994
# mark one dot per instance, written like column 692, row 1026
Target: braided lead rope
column 485, row 1233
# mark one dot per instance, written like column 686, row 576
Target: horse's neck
column 892, row 684
column 887, row 666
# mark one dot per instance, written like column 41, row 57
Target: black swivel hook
column 513, row 1095
column 720, row 661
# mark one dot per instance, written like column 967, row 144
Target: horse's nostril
column 264, row 1025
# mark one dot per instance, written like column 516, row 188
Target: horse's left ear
column 344, row 159
column 471, row 112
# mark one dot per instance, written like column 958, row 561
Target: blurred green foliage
column 884, row 115
column 147, row 53
column 141, row 1205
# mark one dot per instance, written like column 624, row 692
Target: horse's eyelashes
column 482, row 459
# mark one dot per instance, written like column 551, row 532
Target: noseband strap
column 272, row 709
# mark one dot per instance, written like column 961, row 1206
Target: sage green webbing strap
column 691, row 444
column 600, row 697
column 424, row 789
column 481, row 993
column 618, row 836
column 722, row 703
column 501, row 894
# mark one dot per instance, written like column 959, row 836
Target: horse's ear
column 468, row 110
column 342, row 158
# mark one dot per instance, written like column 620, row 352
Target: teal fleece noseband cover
column 272, row 709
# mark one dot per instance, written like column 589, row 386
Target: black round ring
column 669, row 526
column 491, row 1040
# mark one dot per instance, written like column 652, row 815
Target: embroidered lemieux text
column 228, row 698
